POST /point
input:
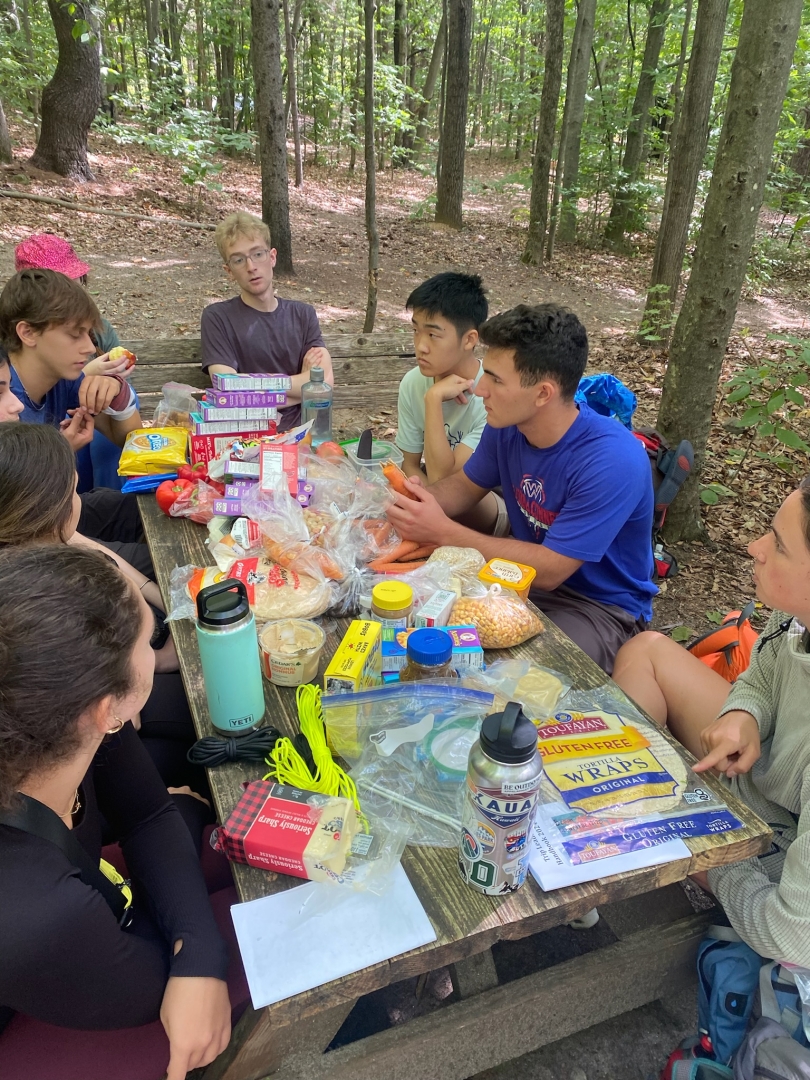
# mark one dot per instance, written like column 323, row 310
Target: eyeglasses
column 236, row 262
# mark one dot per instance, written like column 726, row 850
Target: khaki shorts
column 502, row 527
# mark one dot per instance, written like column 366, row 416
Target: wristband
column 123, row 405
column 122, row 398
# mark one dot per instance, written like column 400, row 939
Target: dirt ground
column 153, row 278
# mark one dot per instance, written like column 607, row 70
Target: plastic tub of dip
column 381, row 451
column 291, row 650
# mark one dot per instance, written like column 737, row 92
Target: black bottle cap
column 509, row 736
column 222, row 604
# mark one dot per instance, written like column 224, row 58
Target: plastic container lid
column 430, row 646
column 514, row 575
column 380, row 451
column 392, row 595
column 509, row 736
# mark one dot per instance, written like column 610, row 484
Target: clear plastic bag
column 465, row 562
column 287, row 540
column 196, row 502
column 538, row 689
column 176, row 406
column 500, row 617
column 407, row 746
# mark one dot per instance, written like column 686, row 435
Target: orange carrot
column 422, row 552
column 396, row 478
column 401, row 567
column 404, row 547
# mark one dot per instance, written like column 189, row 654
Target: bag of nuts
column 500, row 617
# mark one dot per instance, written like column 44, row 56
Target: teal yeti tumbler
column 229, row 651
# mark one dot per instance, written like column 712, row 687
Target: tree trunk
column 266, row 56
column 292, row 94
column 759, row 76
column 429, row 88
column 677, row 94
column 5, row 139
column 579, row 67
column 355, row 107
column 689, row 142
column 371, row 172
column 624, row 200
column 72, row 98
column 544, row 150
column 450, row 189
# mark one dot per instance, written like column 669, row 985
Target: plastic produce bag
column 286, row 537
column 464, row 562
column 274, row 592
column 608, row 396
column 196, row 502
column 176, row 406
column 500, row 617
column 407, row 746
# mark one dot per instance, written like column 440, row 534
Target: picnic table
column 488, row 1024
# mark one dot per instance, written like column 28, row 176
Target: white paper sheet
column 552, row 869
column 307, row 936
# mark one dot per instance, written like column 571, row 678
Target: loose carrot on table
column 396, row 478
column 404, row 547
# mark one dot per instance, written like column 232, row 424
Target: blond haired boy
column 258, row 332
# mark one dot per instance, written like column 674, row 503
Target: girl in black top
column 75, row 666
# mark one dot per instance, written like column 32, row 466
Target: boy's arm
column 412, row 464
column 99, row 393
column 315, row 357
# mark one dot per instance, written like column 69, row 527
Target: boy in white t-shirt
column 439, row 416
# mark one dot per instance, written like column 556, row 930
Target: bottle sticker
column 519, row 785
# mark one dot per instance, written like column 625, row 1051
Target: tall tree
column 759, row 76
column 549, row 103
column 72, row 98
column 266, row 55
column 371, row 172
column 431, row 77
column 624, row 200
column 453, row 137
column 577, row 87
column 5, row 138
column 292, row 93
column 690, row 139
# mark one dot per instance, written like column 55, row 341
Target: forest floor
column 152, row 278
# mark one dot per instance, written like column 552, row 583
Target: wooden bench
column 368, row 367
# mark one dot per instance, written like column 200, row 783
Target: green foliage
column 711, row 494
column 659, row 317
column 769, row 401
column 682, row 634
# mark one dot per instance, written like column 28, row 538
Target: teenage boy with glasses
column 258, row 332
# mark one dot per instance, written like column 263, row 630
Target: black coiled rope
column 216, row 750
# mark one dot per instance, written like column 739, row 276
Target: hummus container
column 511, row 575
column 291, row 651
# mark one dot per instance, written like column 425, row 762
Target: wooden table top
column 466, row 921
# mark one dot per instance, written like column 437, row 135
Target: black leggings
column 167, row 731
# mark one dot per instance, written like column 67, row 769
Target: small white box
column 436, row 609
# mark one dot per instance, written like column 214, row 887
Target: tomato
column 170, row 491
column 330, row 449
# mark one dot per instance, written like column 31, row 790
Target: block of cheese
column 290, row 831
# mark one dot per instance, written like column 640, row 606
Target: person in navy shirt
column 577, row 485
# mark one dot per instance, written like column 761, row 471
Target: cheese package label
column 613, row 780
column 278, row 827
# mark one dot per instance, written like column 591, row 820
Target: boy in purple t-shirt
column 577, row 485
column 257, row 332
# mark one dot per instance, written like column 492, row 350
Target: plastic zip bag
column 407, row 746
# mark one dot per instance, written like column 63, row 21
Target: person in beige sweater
column 754, row 733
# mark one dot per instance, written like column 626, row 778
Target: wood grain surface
column 465, row 921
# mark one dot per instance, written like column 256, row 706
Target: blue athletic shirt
column 589, row 496
column 53, row 409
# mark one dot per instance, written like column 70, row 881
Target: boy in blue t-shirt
column 577, row 486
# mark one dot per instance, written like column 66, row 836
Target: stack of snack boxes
column 243, row 407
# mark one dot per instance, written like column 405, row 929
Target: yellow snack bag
column 153, row 450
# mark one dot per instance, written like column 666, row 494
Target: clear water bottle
column 316, row 405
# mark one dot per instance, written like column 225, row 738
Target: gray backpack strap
column 769, row 1006
column 769, row 1051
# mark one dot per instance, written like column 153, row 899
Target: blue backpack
column 740, row 1000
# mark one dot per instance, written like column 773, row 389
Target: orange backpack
column 727, row 650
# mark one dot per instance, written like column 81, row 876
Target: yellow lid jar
column 510, row 575
column 392, row 605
